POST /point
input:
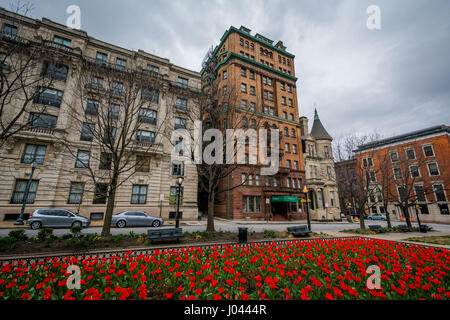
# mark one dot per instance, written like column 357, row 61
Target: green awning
column 284, row 199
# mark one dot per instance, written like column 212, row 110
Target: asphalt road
column 221, row 225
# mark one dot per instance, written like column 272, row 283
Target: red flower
column 169, row 296
column 229, row 282
column 329, row 296
column 244, row 296
column 25, row 296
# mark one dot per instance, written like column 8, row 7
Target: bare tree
column 216, row 109
column 24, row 79
column 115, row 112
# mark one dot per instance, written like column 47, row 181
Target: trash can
column 423, row 229
column 243, row 235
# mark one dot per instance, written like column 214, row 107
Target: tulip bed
column 318, row 269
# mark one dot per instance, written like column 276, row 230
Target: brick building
column 417, row 165
column 264, row 75
column 59, row 180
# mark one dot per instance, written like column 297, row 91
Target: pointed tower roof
column 318, row 131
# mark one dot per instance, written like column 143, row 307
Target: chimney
column 303, row 125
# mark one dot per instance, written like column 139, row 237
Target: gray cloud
column 391, row 80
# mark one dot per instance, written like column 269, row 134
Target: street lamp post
column 179, row 181
column 305, row 190
column 19, row 221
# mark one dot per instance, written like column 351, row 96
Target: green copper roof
column 318, row 131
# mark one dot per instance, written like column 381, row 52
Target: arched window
column 293, row 133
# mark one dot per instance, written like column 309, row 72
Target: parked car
column 135, row 219
column 56, row 218
column 356, row 215
column 377, row 216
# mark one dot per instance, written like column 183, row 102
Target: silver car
column 56, row 218
column 135, row 219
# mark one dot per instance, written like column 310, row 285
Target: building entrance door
column 279, row 210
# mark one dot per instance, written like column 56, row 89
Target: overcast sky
column 392, row 80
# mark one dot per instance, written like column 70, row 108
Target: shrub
column 269, row 234
column 7, row 243
column 44, row 234
column 76, row 230
column 19, row 235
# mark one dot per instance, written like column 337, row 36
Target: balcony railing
column 145, row 119
column 49, row 101
column 181, row 107
column 175, row 84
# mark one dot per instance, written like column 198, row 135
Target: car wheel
column 36, row 225
column 121, row 224
column 156, row 223
column 76, row 224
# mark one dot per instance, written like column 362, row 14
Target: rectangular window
column 147, row 116
column 433, row 169
column 414, row 171
column 82, row 160
column 394, row 156
column 105, row 161
column 290, row 103
column 152, row 68
column 34, row 153
column 257, row 180
column 225, row 75
column 284, row 114
column 410, row 154
column 275, row 182
column 252, row 75
column 139, row 194
column 250, row 179
column 117, row 88
column 282, row 85
column 42, row 120
column 252, row 107
column 294, row 149
column 178, row 168
column 286, row 147
column 244, row 103
column 270, row 96
column 9, row 31
column 180, row 123
column 87, row 132
column 96, row 83
column 143, row 164
column 243, row 87
column 92, row 107
column 101, row 57
column 121, row 64
column 243, row 178
column 56, row 72
column 19, row 191
column 439, row 192
column 251, row 204
column 428, row 151
column 252, row 90
column 401, row 194
column 48, row 97
column 243, row 72
column 174, row 195
column 76, row 193
column 420, row 194
column 145, row 136
column 288, row 182
column 100, row 193
column 113, row 111
column 182, row 82
column 283, row 100
column 150, row 95
column 333, row 203
column 295, row 165
column 62, row 41
column 289, row 88
column 288, row 164
column 398, row 173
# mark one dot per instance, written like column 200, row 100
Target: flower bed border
column 139, row 251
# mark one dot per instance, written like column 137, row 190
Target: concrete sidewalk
column 396, row 236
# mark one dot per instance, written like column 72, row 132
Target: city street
column 225, row 225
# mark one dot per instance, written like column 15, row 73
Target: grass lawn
column 434, row 240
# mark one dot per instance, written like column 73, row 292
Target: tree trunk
column 388, row 219
column 362, row 226
column 109, row 208
column 210, row 224
column 407, row 218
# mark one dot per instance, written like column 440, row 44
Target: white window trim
column 432, row 148
column 437, row 167
column 394, row 151
column 393, row 171
column 406, row 153
column 418, row 170
column 434, row 192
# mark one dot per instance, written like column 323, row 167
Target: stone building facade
column 320, row 173
column 59, row 181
